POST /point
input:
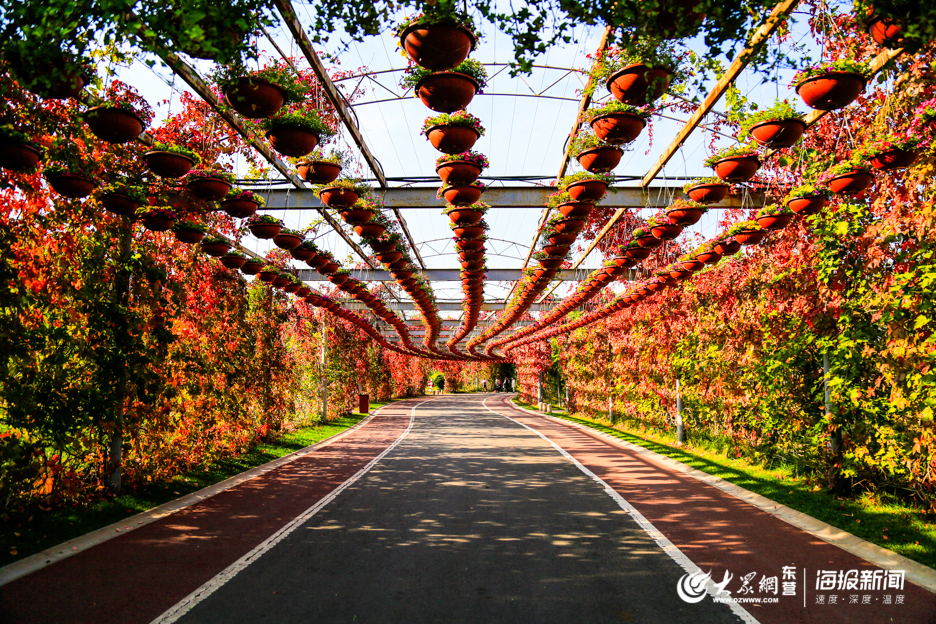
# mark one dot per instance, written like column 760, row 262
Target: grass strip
column 877, row 517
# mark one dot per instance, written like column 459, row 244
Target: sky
column 525, row 134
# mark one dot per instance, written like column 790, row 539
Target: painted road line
column 179, row 609
column 662, row 541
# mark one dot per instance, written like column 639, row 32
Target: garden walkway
column 470, row 515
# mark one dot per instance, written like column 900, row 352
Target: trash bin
column 363, row 403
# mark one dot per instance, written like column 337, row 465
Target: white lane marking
column 662, row 541
column 183, row 606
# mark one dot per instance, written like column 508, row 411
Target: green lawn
column 879, row 518
column 46, row 529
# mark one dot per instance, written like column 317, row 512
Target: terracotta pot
column 570, row 226
column 267, row 276
column 466, row 217
column 114, row 125
column 190, row 237
column 655, row 286
column 406, row 282
column 317, row 262
column 255, row 98
column 302, row 253
column 832, row 91
column 399, row 265
column 894, row 159
column 666, row 231
column 468, row 231
column 600, row 159
column 211, row 189
column 380, row 247
column 576, row 210
column 66, row 82
column 370, row 230
column 233, row 262
column 356, row 216
column 684, row 216
column 709, row 257
column 708, row 193
column 728, row 248
column 471, row 254
column 390, row 257
column 638, row 85
column 463, row 196
column 337, row 197
column 437, row 46
column 251, row 267
column 240, row 208
column 168, row 164
column 851, row 182
column 587, row 190
column 624, row 262
column 279, row 281
column 472, row 265
column 265, row 230
column 446, row 92
column 16, row 157
column 750, row 237
column 775, row 222
column 808, row 204
column 737, row 168
column 470, row 244
column 693, row 265
column 338, row 278
column 551, row 263
column 618, row 127
column 885, row 32
column 458, row 172
column 562, row 239
column 452, row 139
column 556, row 250
column 681, row 274
column 303, row 291
column 292, row 141
column 319, row 171
column 216, row 250
column 648, row 241
column 119, row 204
column 637, row 253
column 157, row 223
column 71, row 186
column 778, row 134
column 287, row 241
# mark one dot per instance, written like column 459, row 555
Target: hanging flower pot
column 777, row 134
column 340, row 196
column 600, row 159
column 264, row 226
column 17, row 153
column 558, row 238
column 268, row 274
column 280, row 280
column 646, row 239
column 189, row 232
column 476, row 265
column 303, row 292
column 626, row 262
column 639, row 252
column 288, row 239
column 71, row 183
column 338, row 278
column 736, row 168
column 829, row 90
column 215, row 246
column 389, row 257
column 708, row 256
column 465, row 230
column 121, row 200
column 233, row 260
column 453, row 138
column 556, row 250
column 304, row 251
column 241, row 204
column 254, row 98
column 437, row 46
column 251, row 267
column 157, row 219
column 892, row 152
column 576, row 210
column 749, row 233
column 471, row 254
column 618, row 127
column 806, row 203
column 707, row 190
column 551, row 263
column 469, row 214
column 470, row 244
column 638, row 84
column 114, row 124
column 664, row 231
column 774, row 217
column 462, row 195
column 209, row 185
column 685, row 213
column 329, row 267
column 587, row 190
column 852, row 181
column 447, row 92
column 370, row 230
column 317, row 261
column 681, row 273
column 296, row 131
column 458, row 172
column 357, row 214
column 885, row 32
column 569, row 226
column 319, row 171
column 727, row 247
column 65, row 79
column 170, row 161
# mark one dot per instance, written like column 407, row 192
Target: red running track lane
column 138, row 575
column 719, row 532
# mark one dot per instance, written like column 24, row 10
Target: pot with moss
column 321, row 167
column 891, row 152
column 706, row 190
column 468, row 214
column 585, row 186
column 251, row 266
column 593, row 154
column 683, row 213
column 295, row 131
column 342, row 193
column 645, row 238
column 850, row 177
column 264, row 226
column 453, row 133
column 71, row 180
column 189, row 232
column 170, row 161
column 281, row 279
column 261, row 93
column 735, row 164
column 241, row 204
column 122, row 199
column 461, row 169
column 446, row 91
column 216, row 246
column 304, row 251
column 774, row 217
column 617, row 123
column 156, row 219
column 329, row 267
column 209, row 184
column 726, row 245
column 288, row 239
column 636, row 77
column 776, row 127
column 832, row 85
column 707, row 254
column 17, row 152
column 633, row 249
column 807, row 199
column 469, row 230
column 437, row 40
column 747, row 232
column 564, row 203
column 233, row 259
column 662, row 228
column 550, row 262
